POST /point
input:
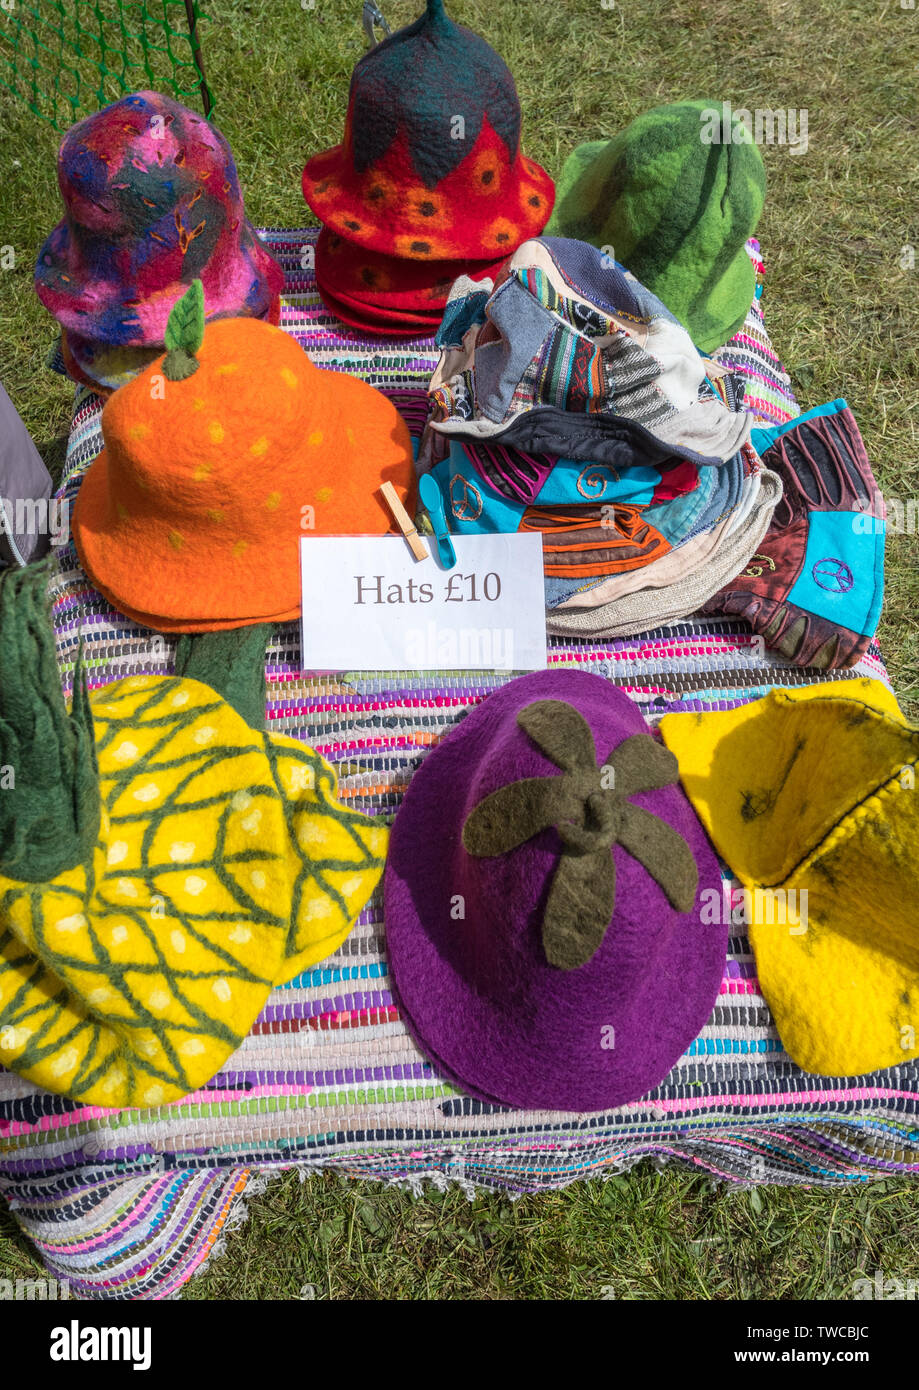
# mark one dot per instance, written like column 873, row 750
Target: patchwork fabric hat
column 190, row 518
column 163, row 866
column 814, row 588
column 613, row 610
column 152, row 203
column 573, row 355
column 386, row 294
column 674, row 196
column 810, row 796
column 595, row 520
column 541, row 901
column 430, row 167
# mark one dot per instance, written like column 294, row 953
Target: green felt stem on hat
column 589, row 809
column 233, row 664
column 184, row 334
column 49, row 777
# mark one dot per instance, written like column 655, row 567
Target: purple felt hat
column 542, row 901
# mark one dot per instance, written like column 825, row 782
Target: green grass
column 844, row 316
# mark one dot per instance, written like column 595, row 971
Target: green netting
column 65, row 60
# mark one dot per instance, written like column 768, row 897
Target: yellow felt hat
column 224, row 864
column 814, row 791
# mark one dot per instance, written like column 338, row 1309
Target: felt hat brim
column 378, row 323
column 727, row 305
column 541, row 1045
column 104, row 544
column 811, row 791
column 92, row 301
column 332, row 192
column 260, row 593
column 390, row 285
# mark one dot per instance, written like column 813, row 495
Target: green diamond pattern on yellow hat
column 675, row 210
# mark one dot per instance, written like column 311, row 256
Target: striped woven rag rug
column 124, row 1204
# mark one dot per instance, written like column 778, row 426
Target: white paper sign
column 369, row 605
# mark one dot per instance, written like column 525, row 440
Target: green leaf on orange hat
column 184, row 334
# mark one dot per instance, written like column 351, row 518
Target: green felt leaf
column 513, row 814
column 579, row 909
column 178, row 365
column 589, row 808
column 561, row 732
column 184, row 333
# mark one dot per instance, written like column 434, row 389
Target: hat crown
column 246, row 404
column 127, row 167
column 419, row 83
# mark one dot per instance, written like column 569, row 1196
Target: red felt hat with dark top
column 430, row 167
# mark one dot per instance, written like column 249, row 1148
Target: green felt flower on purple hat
column 589, row 808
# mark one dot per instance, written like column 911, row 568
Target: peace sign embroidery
column 465, row 499
column 833, row 575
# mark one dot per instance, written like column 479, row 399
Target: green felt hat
column 676, row 200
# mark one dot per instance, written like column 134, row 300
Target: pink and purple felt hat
column 543, row 901
column 152, row 202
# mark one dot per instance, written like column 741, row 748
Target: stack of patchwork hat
column 428, row 182
column 152, row 203
column 569, row 401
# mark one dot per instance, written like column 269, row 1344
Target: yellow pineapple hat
column 813, row 791
column 162, row 866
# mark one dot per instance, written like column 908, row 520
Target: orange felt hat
column 189, row 520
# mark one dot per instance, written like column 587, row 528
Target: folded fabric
column 667, row 570
column 430, row 166
column 810, row 796
column 814, row 589
column 611, row 532
column 675, row 209
column 649, row 608
column 218, row 459
column 152, row 203
column 531, row 479
column 167, row 866
column 575, row 358
column 541, row 901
